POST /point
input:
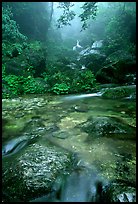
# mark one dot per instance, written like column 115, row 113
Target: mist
column 68, row 102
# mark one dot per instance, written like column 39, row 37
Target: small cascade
column 94, row 49
column 13, row 146
column 74, row 97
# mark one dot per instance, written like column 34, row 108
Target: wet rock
column 107, row 126
column 93, row 61
column 50, row 127
column 61, row 134
column 120, row 92
column 36, row 117
column 81, row 185
column 33, row 124
column 16, row 144
column 11, row 129
column 32, row 174
column 81, row 108
column 117, row 192
column 117, row 67
column 19, row 115
column 126, row 197
column 13, row 146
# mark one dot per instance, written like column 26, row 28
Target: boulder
column 117, row 192
column 117, row 67
column 32, row 174
column 93, row 61
column 107, row 127
column 120, row 92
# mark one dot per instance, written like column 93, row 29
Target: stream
column 101, row 132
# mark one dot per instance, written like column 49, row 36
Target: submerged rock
column 82, row 108
column 107, row 126
column 33, row 124
column 61, row 134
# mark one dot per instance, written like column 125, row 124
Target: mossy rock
column 107, row 127
column 32, row 174
column 120, row 92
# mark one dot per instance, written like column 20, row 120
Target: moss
column 119, row 92
column 32, row 174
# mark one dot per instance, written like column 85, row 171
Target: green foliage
column 61, row 88
column 52, row 58
column 45, row 76
column 31, row 86
column 13, row 85
column 120, row 30
column 12, row 50
column 67, row 15
column 84, row 82
column 89, row 12
column 33, row 18
column 30, row 71
column 59, row 77
column 10, row 31
column 79, row 81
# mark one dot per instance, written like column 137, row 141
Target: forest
column 69, row 101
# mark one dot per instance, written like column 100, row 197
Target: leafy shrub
column 18, row 85
column 31, row 86
column 84, row 82
column 13, row 85
column 61, row 88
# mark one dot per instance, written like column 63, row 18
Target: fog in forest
column 68, row 101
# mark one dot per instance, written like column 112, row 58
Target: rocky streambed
column 68, row 148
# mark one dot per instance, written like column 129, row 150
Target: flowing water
column 59, row 119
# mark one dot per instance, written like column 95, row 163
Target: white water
column 74, row 97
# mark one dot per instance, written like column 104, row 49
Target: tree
column 120, row 32
column 33, row 17
column 89, row 11
column 10, row 29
